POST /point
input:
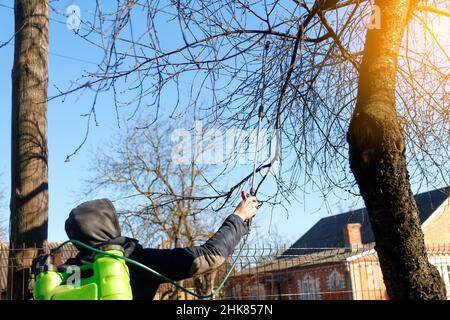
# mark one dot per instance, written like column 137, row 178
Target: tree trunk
column 29, row 176
column 377, row 159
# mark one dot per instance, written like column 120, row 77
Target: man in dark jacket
column 96, row 223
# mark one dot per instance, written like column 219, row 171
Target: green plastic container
column 110, row 280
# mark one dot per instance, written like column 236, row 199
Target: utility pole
column 29, row 156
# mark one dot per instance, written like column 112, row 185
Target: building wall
column 367, row 278
column 247, row 287
column 361, row 277
column 437, row 228
column 327, row 282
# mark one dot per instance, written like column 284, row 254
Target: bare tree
column 155, row 194
column 377, row 159
column 29, row 176
column 325, row 58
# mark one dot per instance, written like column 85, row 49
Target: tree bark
column 29, row 175
column 377, row 159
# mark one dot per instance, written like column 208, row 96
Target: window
column 336, row 281
column 444, row 271
column 236, row 291
column 309, row 288
column 257, row 292
column 442, row 264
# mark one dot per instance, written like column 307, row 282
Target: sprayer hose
column 156, row 273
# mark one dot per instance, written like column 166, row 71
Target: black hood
column 93, row 223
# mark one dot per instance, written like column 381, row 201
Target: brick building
column 336, row 259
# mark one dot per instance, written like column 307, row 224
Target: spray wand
column 244, row 194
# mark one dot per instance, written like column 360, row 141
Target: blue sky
column 69, row 57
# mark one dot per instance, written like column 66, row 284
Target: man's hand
column 247, row 208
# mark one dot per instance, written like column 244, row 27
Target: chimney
column 352, row 235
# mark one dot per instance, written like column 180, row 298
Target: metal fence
column 275, row 273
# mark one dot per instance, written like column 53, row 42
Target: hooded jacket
column 96, row 223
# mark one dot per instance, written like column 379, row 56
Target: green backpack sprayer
column 108, row 278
